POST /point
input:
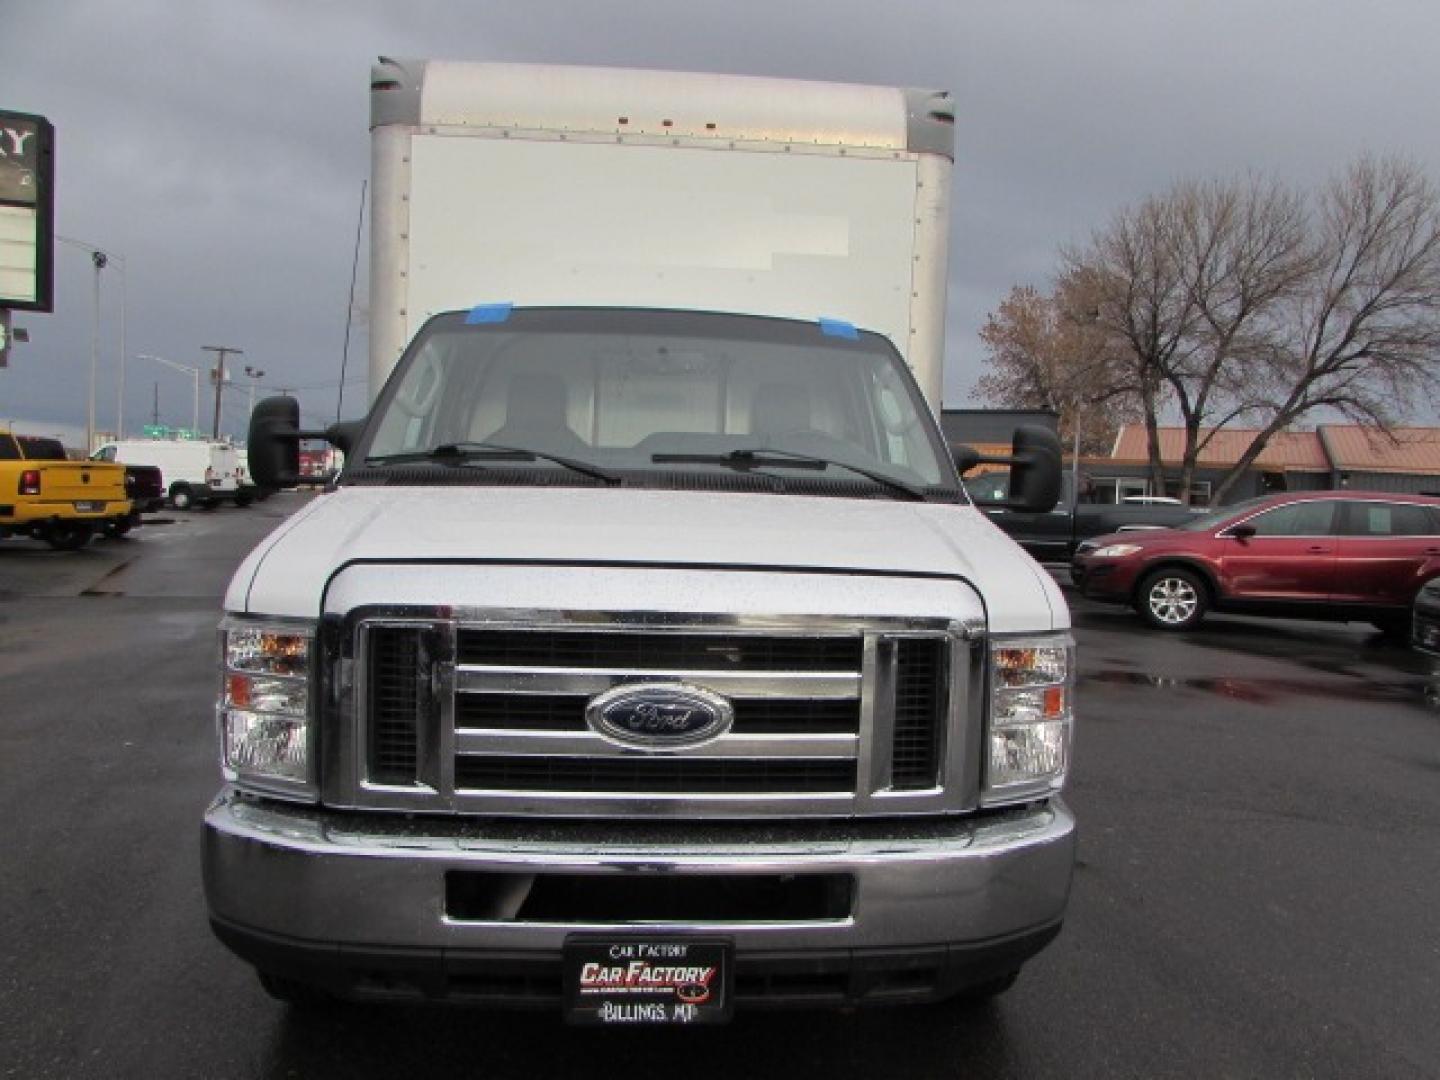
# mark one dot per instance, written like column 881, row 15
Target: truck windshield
column 649, row 397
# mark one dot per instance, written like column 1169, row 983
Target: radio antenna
column 350, row 307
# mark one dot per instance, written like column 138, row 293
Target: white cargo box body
column 201, row 464
column 563, row 186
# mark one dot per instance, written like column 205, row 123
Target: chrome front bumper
column 357, row 901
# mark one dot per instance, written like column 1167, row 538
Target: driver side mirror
column 274, row 443
column 1243, row 531
column 1035, row 472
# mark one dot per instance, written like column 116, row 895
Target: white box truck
column 646, row 660
column 193, row 472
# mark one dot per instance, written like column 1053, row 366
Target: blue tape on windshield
column 488, row 313
column 839, row 328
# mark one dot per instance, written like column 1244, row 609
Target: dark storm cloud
column 220, row 146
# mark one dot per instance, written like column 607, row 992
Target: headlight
column 1115, row 551
column 1032, row 686
column 266, row 734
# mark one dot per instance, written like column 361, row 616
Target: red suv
column 1318, row 555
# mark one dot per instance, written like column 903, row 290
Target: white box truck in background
column 647, row 658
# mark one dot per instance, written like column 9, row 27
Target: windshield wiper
column 760, row 457
column 460, row 452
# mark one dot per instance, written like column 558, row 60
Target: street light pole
column 184, row 369
column 120, row 396
column 256, row 374
column 99, row 259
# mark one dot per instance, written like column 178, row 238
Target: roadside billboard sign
column 27, row 212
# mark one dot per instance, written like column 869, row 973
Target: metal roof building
column 1330, row 457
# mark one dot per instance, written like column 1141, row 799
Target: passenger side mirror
column 274, row 443
column 1243, row 531
column 1035, row 471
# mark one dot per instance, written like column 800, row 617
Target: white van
column 194, row 472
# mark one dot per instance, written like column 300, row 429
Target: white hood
column 286, row 574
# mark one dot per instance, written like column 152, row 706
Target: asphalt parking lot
column 1256, row 893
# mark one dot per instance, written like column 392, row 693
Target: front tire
column 1173, row 599
column 181, row 497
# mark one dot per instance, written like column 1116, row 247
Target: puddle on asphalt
column 1402, row 690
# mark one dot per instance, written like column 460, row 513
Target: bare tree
column 1139, row 305
column 1236, row 300
column 1188, row 284
column 1362, row 336
column 1042, row 356
column 1242, row 253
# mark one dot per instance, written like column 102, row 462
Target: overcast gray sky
column 220, row 145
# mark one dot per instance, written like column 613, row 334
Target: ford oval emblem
column 659, row 716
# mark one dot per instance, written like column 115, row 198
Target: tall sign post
column 27, row 218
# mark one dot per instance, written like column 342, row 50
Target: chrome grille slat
column 474, row 679
column 753, row 716
column 476, row 742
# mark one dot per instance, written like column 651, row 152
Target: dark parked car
column 1318, row 555
column 1425, row 630
column 1054, row 534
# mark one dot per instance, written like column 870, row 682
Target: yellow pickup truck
column 61, row 502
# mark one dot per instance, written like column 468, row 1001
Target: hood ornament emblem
column 659, row 716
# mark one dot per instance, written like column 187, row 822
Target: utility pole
column 220, row 351
column 155, row 412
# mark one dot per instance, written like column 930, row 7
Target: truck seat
column 535, row 417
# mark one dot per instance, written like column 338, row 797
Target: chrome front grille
column 831, row 718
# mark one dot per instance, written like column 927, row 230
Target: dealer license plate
column 89, row 507
column 636, row 981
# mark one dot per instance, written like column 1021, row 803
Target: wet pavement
column 1256, row 894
